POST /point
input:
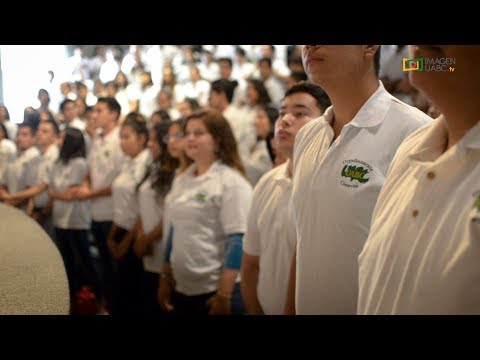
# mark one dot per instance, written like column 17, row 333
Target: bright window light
column 25, row 71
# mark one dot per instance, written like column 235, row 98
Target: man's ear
column 371, row 49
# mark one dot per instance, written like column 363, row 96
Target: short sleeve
column 78, row 171
column 48, row 176
column 251, row 240
column 236, row 202
column 31, row 172
column 119, row 159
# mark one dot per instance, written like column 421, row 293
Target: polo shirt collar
column 436, row 137
column 373, row 112
column 282, row 176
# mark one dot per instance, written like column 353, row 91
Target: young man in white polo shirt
column 340, row 162
column 36, row 171
column 105, row 162
column 14, row 177
column 421, row 256
column 269, row 241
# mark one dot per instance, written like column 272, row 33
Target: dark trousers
column 100, row 230
column 152, row 307
column 197, row 304
column 79, row 264
column 129, row 282
column 46, row 222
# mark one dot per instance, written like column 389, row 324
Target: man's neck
column 459, row 118
column 44, row 148
column 348, row 99
column 290, row 165
column 108, row 128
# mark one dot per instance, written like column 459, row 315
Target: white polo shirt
column 258, row 162
column 335, row 188
column 78, row 124
column 125, row 204
column 12, row 129
column 421, row 256
column 242, row 124
column 40, row 168
column 208, row 208
column 74, row 215
column 169, row 198
column 150, row 207
column 8, row 149
column 14, row 176
column 271, row 236
column 105, row 161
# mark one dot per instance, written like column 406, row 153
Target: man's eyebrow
column 296, row 106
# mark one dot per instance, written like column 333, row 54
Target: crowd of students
column 334, row 198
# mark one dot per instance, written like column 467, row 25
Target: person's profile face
column 297, row 109
column 329, row 64
column 446, row 68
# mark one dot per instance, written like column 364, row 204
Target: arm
column 290, row 301
column 107, row 191
column 167, row 282
column 27, row 193
column 112, row 246
column 143, row 243
column 155, row 234
column 29, row 209
column 85, row 192
column 250, row 270
column 47, row 209
column 221, row 301
column 64, row 196
column 15, row 203
column 252, row 250
column 125, row 244
column 138, row 241
column 4, row 196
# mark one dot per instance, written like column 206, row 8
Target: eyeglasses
column 177, row 136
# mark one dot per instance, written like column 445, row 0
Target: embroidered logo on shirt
column 476, row 203
column 355, row 170
column 201, row 197
column 476, row 207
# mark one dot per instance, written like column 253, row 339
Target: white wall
column 25, row 71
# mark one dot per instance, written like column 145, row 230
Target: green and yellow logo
column 476, row 203
column 412, row 64
column 355, row 173
column 429, row 64
column 201, row 197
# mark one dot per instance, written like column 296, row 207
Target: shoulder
column 309, row 130
column 78, row 163
column 408, row 145
column 270, row 175
column 232, row 177
column 407, row 115
column 312, row 134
